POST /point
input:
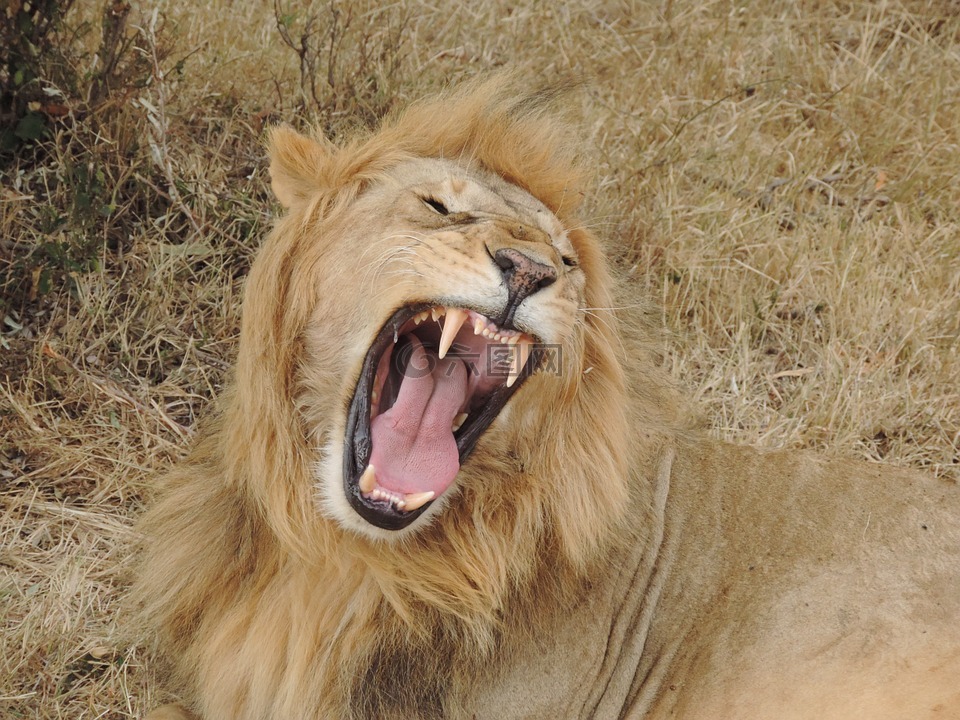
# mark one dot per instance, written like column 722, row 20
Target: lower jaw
column 383, row 515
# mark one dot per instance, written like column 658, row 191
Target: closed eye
column 435, row 205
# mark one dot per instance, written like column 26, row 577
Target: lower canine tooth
column 415, row 501
column 368, row 481
column 458, row 421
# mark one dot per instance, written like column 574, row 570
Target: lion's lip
column 414, row 469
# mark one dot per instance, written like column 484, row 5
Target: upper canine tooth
column 451, row 326
column 414, row 501
column 368, row 481
column 478, row 326
column 458, row 421
column 523, row 348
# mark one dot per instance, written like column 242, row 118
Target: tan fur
column 597, row 557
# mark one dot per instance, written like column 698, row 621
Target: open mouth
column 431, row 383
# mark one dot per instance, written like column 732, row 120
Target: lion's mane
column 262, row 604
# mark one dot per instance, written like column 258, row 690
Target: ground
column 781, row 177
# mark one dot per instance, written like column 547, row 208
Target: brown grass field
column 781, row 176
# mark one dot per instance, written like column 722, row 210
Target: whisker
column 391, row 253
column 621, row 307
column 609, row 327
column 610, row 221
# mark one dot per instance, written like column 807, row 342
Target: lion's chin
column 432, row 381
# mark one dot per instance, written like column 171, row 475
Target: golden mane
column 256, row 512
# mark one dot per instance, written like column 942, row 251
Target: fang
column 415, row 501
column 368, row 481
column 523, row 349
column 451, row 326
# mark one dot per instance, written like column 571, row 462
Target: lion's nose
column 523, row 275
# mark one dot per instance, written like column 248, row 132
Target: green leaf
column 43, row 287
column 31, row 127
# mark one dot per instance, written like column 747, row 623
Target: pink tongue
column 413, row 445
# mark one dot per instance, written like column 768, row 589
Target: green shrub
column 66, row 88
column 32, row 52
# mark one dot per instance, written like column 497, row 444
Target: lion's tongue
column 413, row 445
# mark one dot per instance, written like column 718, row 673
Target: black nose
column 523, row 276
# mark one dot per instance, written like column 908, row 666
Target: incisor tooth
column 524, row 347
column 368, row 481
column 478, row 326
column 458, row 421
column 436, row 313
column 414, row 501
column 451, row 326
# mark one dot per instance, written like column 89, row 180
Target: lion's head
column 429, row 353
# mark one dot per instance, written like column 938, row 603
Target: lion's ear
column 297, row 165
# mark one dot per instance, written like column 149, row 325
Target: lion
column 450, row 478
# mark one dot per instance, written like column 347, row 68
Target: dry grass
column 782, row 175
